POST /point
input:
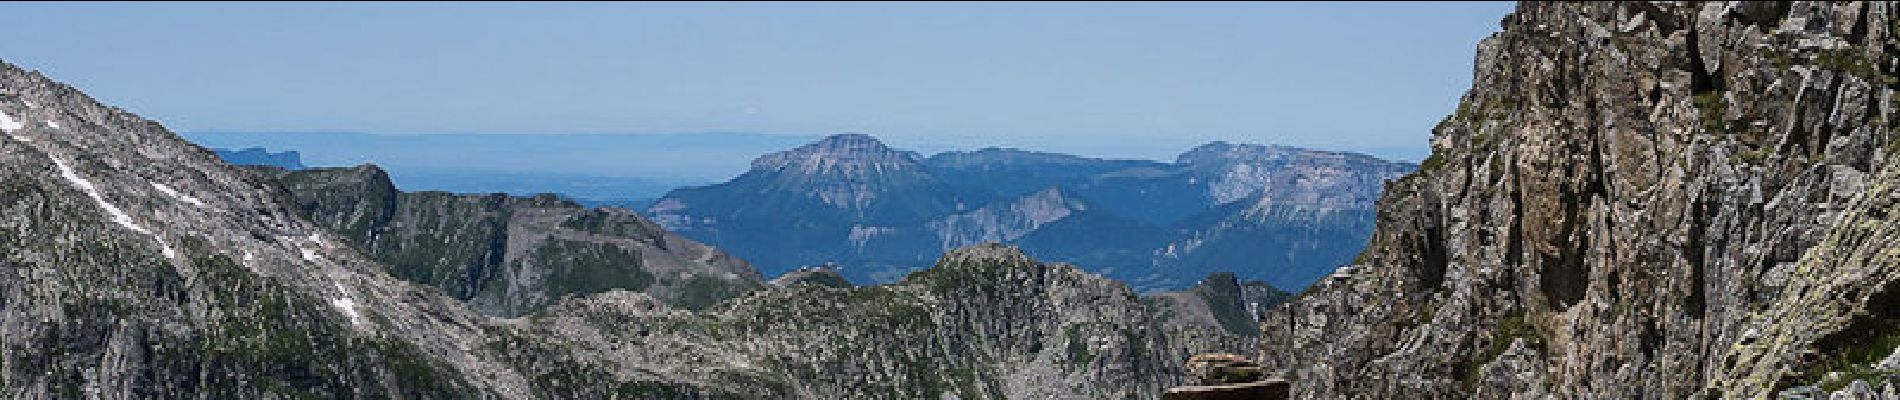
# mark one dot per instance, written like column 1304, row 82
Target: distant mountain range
column 616, row 169
column 290, row 160
column 1283, row 215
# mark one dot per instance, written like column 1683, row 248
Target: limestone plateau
column 1635, row 200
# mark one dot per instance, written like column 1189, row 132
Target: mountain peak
column 1221, row 150
column 844, row 152
column 987, row 253
column 851, row 139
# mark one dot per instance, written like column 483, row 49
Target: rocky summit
column 1635, row 200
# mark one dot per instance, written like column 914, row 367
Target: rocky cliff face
column 1635, row 200
column 1005, row 221
column 1222, row 301
column 985, row 322
column 1234, row 172
column 509, row 256
column 134, row 264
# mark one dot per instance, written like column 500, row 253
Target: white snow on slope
column 8, row 125
column 50, row 123
column 118, row 215
column 167, row 249
column 167, row 190
column 347, row 305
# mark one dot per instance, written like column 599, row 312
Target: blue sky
column 1107, row 79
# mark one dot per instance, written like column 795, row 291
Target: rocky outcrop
column 822, row 276
column 1222, row 301
column 1635, row 200
column 134, row 264
column 509, row 256
column 1004, row 221
column 984, row 322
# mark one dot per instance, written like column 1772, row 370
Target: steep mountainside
column 509, row 256
column 134, row 264
column 1222, row 300
column 1282, row 214
column 1634, row 200
column 985, row 322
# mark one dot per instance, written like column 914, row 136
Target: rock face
column 134, row 264
column 1635, row 200
column 509, row 256
column 821, row 276
column 1282, row 214
column 1222, row 301
column 985, row 322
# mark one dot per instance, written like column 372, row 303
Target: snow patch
column 50, row 123
column 117, row 214
column 347, row 305
column 167, row 190
column 30, row 104
column 310, row 254
column 248, row 256
column 8, row 124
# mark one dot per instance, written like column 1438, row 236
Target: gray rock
column 1695, row 205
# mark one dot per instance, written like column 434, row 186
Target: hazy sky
column 1121, row 79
